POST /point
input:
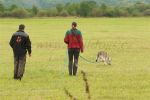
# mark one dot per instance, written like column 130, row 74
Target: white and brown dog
column 103, row 57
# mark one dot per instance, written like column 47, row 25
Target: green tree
column 12, row 7
column 86, row 8
column 2, row 8
column 72, row 9
column 59, row 7
column 136, row 13
column 97, row 12
column 6, row 14
column 103, row 9
column 109, row 12
column 140, row 7
column 35, row 10
column 123, row 12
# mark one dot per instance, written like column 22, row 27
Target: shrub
column 6, row 14
column 147, row 12
column 42, row 13
column 52, row 12
column 64, row 13
column 20, row 13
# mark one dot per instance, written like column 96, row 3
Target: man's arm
column 28, row 45
column 11, row 41
column 81, row 41
column 66, row 40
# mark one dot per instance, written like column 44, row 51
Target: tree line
column 82, row 9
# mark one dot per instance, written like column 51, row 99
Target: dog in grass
column 103, row 56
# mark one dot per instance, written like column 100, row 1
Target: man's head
column 74, row 25
column 21, row 27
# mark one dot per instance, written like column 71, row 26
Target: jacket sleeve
column 81, row 42
column 28, row 45
column 66, row 39
column 11, row 43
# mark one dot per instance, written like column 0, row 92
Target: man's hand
column 81, row 50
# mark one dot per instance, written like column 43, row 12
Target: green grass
column 127, row 40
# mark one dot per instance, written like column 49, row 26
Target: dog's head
column 97, row 57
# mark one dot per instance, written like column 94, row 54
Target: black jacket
column 20, row 43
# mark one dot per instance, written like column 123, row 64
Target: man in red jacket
column 73, row 39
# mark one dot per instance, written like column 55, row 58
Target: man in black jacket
column 20, row 43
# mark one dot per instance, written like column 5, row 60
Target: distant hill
column 52, row 3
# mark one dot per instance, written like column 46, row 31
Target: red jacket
column 73, row 39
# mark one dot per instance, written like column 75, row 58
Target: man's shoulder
column 78, row 31
column 24, row 34
column 68, row 31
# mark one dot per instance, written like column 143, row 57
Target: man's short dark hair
column 74, row 24
column 21, row 27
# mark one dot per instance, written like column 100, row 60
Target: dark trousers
column 19, row 66
column 73, row 54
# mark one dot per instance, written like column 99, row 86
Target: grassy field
column 127, row 40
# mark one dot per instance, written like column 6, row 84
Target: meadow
column 127, row 40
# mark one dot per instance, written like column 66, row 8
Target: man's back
column 20, row 43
